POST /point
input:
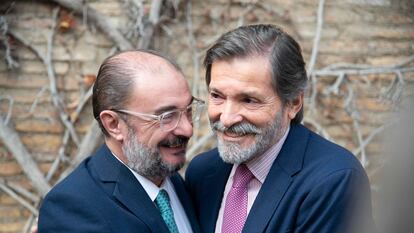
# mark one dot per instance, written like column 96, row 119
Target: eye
column 214, row 95
column 168, row 116
column 249, row 100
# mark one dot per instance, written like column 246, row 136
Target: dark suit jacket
column 102, row 195
column 313, row 186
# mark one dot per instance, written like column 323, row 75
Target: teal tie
column 163, row 204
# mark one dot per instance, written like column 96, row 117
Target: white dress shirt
column 260, row 167
column 183, row 224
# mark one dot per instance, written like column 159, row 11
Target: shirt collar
column 150, row 188
column 260, row 166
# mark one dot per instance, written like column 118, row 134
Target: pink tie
column 235, row 210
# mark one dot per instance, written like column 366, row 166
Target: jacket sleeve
column 338, row 203
column 63, row 212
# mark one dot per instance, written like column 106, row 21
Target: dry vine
column 144, row 27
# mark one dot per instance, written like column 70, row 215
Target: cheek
column 213, row 112
column 151, row 139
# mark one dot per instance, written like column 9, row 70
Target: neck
column 157, row 181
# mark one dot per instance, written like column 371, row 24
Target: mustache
column 175, row 141
column 239, row 128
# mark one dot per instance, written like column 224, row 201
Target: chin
column 231, row 152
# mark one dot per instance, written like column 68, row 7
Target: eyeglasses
column 169, row 120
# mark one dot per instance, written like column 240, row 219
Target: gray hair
column 288, row 72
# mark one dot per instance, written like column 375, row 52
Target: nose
column 230, row 114
column 184, row 127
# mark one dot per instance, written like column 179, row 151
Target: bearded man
column 269, row 172
column 145, row 110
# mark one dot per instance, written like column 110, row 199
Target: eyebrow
column 242, row 94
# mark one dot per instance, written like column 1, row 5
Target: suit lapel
column 212, row 195
column 277, row 182
column 119, row 182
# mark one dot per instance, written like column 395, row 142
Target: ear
column 112, row 123
column 295, row 106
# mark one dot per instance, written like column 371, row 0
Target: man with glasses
column 146, row 111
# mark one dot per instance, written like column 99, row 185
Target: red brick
column 11, row 168
column 39, row 126
column 41, row 142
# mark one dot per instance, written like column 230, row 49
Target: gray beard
column 146, row 161
column 231, row 152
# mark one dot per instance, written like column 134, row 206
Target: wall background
column 51, row 51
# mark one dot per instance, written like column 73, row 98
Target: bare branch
column 98, row 19
column 149, row 27
column 318, row 127
column 89, row 142
column 47, row 61
column 312, row 98
column 19, row 199
column 57, row 102
column 24, row 192
column 370, row 70
column 404, row 62
column 194, row 51
column 247, row 10
column 38, row 95
column 371, row 137
column 4, row 27
column 317, row 38
column 10, row 109
column 12, row 141
column 335, row 87
column 357, row 128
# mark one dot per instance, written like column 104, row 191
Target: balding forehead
column 141, row 61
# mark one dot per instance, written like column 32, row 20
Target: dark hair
column 115, row 81
column 289, row 78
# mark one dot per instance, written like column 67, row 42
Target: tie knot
column 162, row 198
column 242, row 176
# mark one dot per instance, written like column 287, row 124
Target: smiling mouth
column 234, row 135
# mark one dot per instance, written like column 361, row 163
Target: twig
column 371, row 70
column 135, row 9
column 317, row 38
column 318, row 127
column 357, row 129
column 4, row 27
column 312, row 98
column 12, row 141
column 405, row 62
column 335, row 87
column 10, row 109
column 38, row 95
column 24, row 192
column 153, row 20
column 247, row 10
column 89, row 142
column 57, row 102
column 19, row 199
column 371, row 137
column 99, row 20
column 195, row 58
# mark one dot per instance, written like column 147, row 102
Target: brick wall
column 378, row 33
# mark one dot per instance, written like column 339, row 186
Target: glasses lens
column 169, row 120
column 195, row 111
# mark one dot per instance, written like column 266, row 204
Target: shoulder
column 71, row 205
column 330, row 155
column 204, row 162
